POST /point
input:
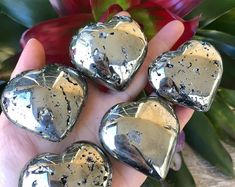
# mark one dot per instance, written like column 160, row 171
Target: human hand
column 19, row 146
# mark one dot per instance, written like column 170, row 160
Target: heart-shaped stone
column 189, row 76
column 46, row 101
column 142, row 134
column 82, row 164
column 109, row 52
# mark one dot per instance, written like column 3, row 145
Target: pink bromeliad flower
column 152, row 15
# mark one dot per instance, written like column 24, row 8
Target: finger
column 183, row 114
column 32, row 57
column 163, row 41
column 14, row 140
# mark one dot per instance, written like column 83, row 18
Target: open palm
column 19, row 146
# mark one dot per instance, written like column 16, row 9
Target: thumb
column 32, row 57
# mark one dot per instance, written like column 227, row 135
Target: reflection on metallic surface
column 142, row 134
column 82, row 164
column 109, row 52
column 189, row 76
column 46, row 101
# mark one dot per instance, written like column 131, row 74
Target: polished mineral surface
column 142, row 134
column 189, row 76
column 46, row 101
column 109, row 52
column 82, row 164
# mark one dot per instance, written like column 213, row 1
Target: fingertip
column 32, row 57
column 177, row 25
column 173, row 29
column 123, row 13
column 165, row 38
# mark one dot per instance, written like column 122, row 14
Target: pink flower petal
column 100, row 6
column 55, row 35
column 178, row 7
column 112, row 10
column 68, row 7
column 134, row 2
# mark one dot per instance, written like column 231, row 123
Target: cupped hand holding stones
column 19, row 146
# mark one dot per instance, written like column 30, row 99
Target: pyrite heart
column 109, row 52
column 82, row 164
column 189, row 76
column 46, row 101
column 141, row 134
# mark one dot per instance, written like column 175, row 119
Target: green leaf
column 10, row 34
column 222, row 117
column 225, row 44
column 2, row 86
column 153, row 17
column 228, row 96
column 100, row 6
column 149, row 182
column 228, row 74
column 222, row 128
column 7, row 66
column 225, row 137
column 202, row 137
column 28, row 12
column 144, row 17
column 141, row 95
column 225, row 23
column 211, row 10
column 181, row 178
